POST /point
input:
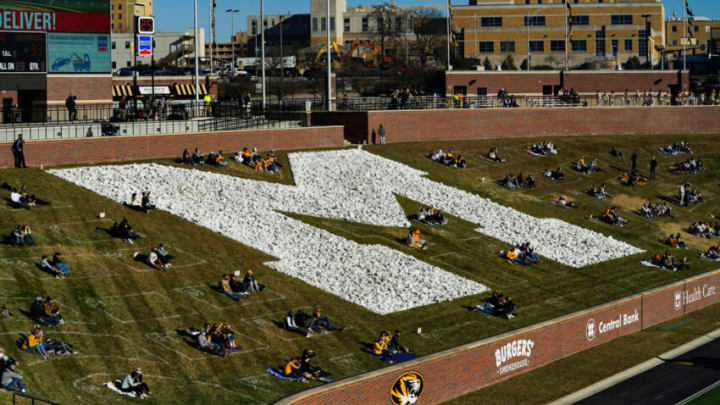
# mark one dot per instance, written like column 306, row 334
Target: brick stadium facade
column 468, row 368
column 445, row 125
column 117, row 149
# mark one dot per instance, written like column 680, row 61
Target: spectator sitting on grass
column 251, row 282
column 59, row 264
column 289, row 324
column 431, row 216
column 510, row 181
column 124, row 231
column 674, row 241
column 204, row 340
column 37, row 309
column 704, row 229
column 713, row 253
column 197, row 157
column 220, row 159
column 163, row 255
column 380, row 347
column 611, row 217
column 308, row 370
column 227, row 290
column 557, row 174
column 27, row 236
column 413, row 239
column 322, row 322
column 292, row 369
column 394, row 344
column 35, row 343
column 505, row 309
column 616, row 153
column 10, row 379
column 51, row 314
column 133, row 384
column 145, row 203
column 600, row 192
column 16, row 236
column 45, row 265
column 187, row 158
column 493, row 155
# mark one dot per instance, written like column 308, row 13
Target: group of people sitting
column 557, row 174
column 131, row 385
column 564, row 202
column 667, row 261
column 713, row 253
column 256, row 161
column 660, row 209
column 21, row 235
column 299, row 368
column 431, row 216
column 582, row 167
column 10, row 378
column 688, row 195
column 387, row 346
column 704, row 229
column 217, row 339
column 522, row 254
column 142, row 204
column 237, row 290
column 22, row 199
column 196, row 158
column 599, row 192
column 46, row 312
column 543, row 148
column 124, row 231
column 158, row 258
column 691, row 165
column 514, row 182
column 634, row 178
column 611, row 217
column 35, row 342
column 299, row 322
column 497, row 305
column 56, row 266
column 616, row 153
column 448, row 158
column 493, row 155
column 677, row 147
column 675, row 242
column 414, row 241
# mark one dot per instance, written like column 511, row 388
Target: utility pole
column 262, row 48
column 566, row 35
column 232, row 36
column 197, row 61
column 684, row 35
column 212, row 33
column 449, row 66
column 282, row 61
column 329, row 59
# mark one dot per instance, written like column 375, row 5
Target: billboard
column 55, row 16
column 79, row 53
column 22, row 52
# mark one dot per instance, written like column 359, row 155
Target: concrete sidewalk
column 633, row 371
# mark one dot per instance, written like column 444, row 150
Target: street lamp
column 232, row 36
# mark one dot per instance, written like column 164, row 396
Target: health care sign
column 86, row 16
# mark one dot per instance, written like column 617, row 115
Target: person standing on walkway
column 633, row 159
column 381, row 134
column 71, row 107
column 653, row 166
column 18, row 153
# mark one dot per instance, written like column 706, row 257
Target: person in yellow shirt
column 413, row 240
column 380, row 348
column 35, row 343
column 292, row 369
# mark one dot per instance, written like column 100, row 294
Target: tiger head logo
column 407, row 388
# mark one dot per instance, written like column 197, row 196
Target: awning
column 120, row 90
column 189, row 90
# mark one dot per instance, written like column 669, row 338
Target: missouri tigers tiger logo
column 407, row 388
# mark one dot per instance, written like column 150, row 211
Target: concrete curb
column 633, row 371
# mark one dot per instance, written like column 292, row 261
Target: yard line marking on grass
column 436, row 333
column 42, row 207
column 116, row 254
column 255, row 383
column 56, row 228
column 98, row 304
column 163, row 339
column 471, row 238
column 33, row 271
column 201, row 290
column 486, row 281
column 63, row 306
column 270, row 326
column 348, row 361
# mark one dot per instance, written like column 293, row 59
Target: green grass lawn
column 709, row 398
column 119, row 315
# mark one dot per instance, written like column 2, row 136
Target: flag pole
column 685, row 34
column 566, row 35
column 448, row 35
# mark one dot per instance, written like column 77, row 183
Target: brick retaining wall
column 114, row 149
column 468, row 368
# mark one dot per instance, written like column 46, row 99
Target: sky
column 177, row 15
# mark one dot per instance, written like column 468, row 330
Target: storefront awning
column 189, row 90
column 122, row 90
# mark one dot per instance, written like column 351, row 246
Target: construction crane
column 323, row 49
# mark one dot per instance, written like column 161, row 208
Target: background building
column 702, row 32
column 601, row 31
column 122, row 13
column 175, row 48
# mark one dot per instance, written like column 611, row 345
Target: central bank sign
column 697, row 294
column 594, row 329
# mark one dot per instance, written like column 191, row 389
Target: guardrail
column 27, row 399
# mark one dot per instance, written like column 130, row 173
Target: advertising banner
column 79, row 53
column 55, row 16
column 22, row 52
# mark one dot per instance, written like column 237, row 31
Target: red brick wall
column 95, row 150
column 583, row 81
column 428, row 125
column 355, row 123
column 89, row 89
column 468, row 368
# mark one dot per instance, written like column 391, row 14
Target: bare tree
column 428, row 25
column 385, row 17
column 283, row 88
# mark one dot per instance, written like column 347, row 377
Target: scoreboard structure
column 23, row 52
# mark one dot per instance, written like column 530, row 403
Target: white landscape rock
column 355, row 186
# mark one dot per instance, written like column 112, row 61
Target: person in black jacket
column 17, row 150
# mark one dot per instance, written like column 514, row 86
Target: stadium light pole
column 196, row 34
column 232, row 36
column 262, row 48
column 329, row 58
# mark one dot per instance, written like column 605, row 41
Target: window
column 380, row 24
column 600, row 47
column 539, row 1
column 674, row 41
column 128, row 63
column 696, row 28
column 120, row 26
column 537, row 46
column 535, row 21
column 643, row 47
column 346, row 25
column 365, row 24
column 120, row 6
column 127, row 44
column 398, row 24
column 628, row 45
column 332, row 23
column 265, row 25
column 114, row 65
column 581, row 20
column 557, row 46
column 323, row 24
column 112, row 7
column 254, row 26
column 527, row 1
column 507, row 46
column 112, row 45
column 622, row 19
column 486, row 46
column 112, row 26
column 614, row 44
column 579, row 45
column 674, row 28
column 491, row 21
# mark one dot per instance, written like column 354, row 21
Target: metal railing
column 27, row 399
